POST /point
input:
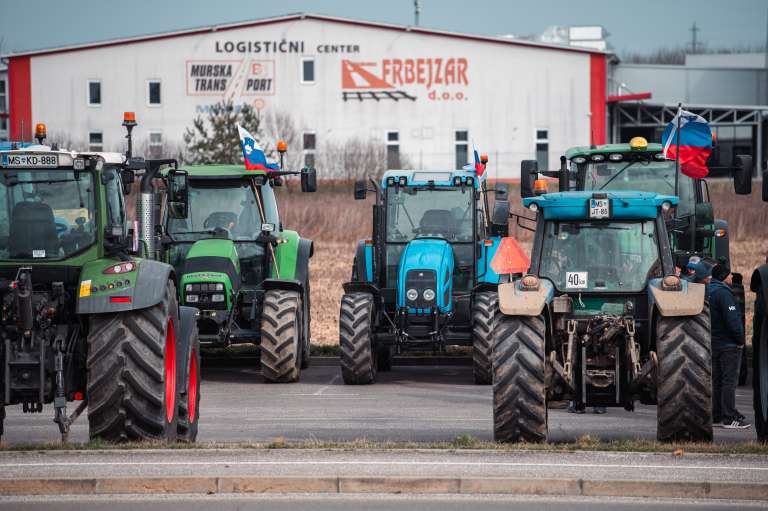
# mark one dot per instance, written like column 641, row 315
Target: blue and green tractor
column 423, row 281
column 245, row 273
column 601, row 319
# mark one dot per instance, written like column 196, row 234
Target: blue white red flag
column 692, row 145
column 254, row 156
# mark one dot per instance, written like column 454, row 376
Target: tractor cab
column 427, row 268
column 641, row 166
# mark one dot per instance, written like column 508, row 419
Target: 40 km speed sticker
column 575, row 279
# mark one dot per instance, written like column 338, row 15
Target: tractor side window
column 115, row 201
column 271, row 213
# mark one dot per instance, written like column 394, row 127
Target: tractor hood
column 426, row 266
column 208, row 264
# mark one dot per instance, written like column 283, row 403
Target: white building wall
column 510, row 90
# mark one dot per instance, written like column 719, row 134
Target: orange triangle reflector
column 510, row 258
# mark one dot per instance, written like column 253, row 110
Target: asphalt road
column 367, row 502
column 413, row 404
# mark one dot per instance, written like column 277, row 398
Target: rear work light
column 120, row 268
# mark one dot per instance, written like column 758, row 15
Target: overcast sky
column 636, row 26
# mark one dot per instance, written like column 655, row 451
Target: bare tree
column 354, row 159
column 282, row 127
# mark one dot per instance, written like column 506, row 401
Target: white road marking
column 374, row 463
column 326, row 387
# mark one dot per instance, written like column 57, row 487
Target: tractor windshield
column 46, row 214
column 644, row 176
column 445, row 212
column 228, row 207
column 600, row 256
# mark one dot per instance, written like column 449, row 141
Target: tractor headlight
column 188, row 287
column 412, row 295
column 666, row 206
column 219, row 287
column 429, row 295
column 217, row 298
column 193, row 298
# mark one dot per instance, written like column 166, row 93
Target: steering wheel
column 220, row 219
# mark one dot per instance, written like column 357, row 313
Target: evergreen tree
column 214, row 139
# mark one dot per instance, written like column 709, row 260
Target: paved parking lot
column 419, row 404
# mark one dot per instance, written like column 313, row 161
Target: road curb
column 386, row 485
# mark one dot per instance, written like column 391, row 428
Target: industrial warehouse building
column 427, row 96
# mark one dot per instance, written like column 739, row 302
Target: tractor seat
column 437, row 221
column 33, row 227
column 220, row 219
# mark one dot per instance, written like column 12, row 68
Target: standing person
column 727, row 343
column 690, row 268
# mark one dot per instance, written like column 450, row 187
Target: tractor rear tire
column 281, row 336
column 307, row 316
column 189, row 400
column 684, row 388
column 358, row 359
column 132, row 373
column 519, row 388
column 484, row 310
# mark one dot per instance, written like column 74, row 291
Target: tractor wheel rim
column 193, row 388
column 170, row 372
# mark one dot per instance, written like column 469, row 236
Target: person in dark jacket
column 727, row 343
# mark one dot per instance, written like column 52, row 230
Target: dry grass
column 335, row 221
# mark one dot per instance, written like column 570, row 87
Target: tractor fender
column 363, row 263
column 688, row 301
column 148, row 289
column 292, row 254
column 187, row 322
column 759, row 284
column 513, row 301
column 360, row 287
column 283, row 284
column 306, row 250
column 722, row 244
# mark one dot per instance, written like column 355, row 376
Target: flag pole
column 677, row 152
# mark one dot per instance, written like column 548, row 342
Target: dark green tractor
column 86, row 315
column 247, row 275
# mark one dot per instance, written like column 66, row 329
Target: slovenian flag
column 254, row 156
column 692, row 145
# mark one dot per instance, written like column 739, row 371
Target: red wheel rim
column 193, row 388
column 170, row 372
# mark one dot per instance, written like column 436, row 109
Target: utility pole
column 416, row 12
column 694, row 43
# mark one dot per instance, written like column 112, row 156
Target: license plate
column 599, row 208
column 31, row 160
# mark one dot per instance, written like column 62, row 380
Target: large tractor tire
column 281, row 336
column 307, row 335
column 189, row 398
column 484, row 309
column 519, row 387
column 132, row 373
column 684, row 382
column 358, row 360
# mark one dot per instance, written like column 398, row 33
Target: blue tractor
column 423, row 281
column 602, row 319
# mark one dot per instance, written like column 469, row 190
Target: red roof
column 300, row 16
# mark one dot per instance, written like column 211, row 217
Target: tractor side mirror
column 501, row 192
column 361, row 189
column 704, row 213
column 528, row 172
column 178, row 194
column 742, row 174
column 500, row 218
column 308, row 179
column 127, row 177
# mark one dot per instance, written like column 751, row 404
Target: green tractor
column 85, row 315
column 247, row 275
column 601, row 319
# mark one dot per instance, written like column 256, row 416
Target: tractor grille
column 208, row 296
column 420, row 280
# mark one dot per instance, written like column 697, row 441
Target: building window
column 393, row 150
column 94, row 93
column 309, row 144
column 542, row 149
column 462, row 148
column 3, row 97
column 155, row 145
column 95, row 141
column 153, row 93
column 307, row 70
